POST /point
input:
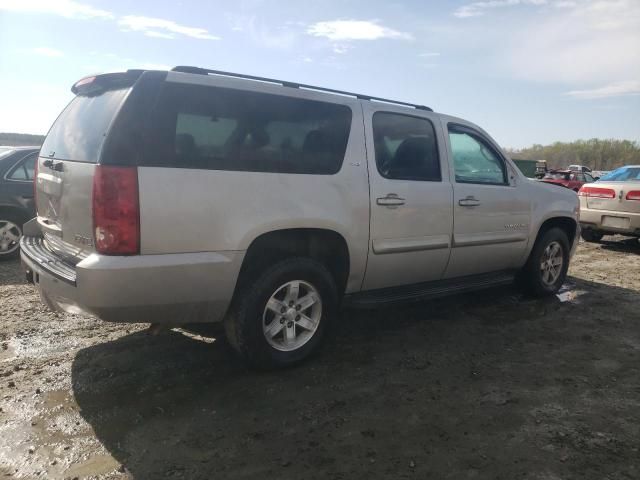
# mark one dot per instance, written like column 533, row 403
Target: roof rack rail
column 204, row 71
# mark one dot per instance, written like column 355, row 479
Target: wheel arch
column 324, row 245
column 567, row 224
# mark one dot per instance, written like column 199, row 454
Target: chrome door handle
column 391, row 200
column 470, row 201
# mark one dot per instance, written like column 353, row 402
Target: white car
column 611, row 205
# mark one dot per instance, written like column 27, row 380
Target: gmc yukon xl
column 203, row 196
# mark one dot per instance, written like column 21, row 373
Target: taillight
column 116, row 210
column 596, row 192
column 633, row 195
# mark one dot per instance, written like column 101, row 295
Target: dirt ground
column 491, row 385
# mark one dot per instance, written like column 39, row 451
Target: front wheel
column 280, row 318
column 546, row 269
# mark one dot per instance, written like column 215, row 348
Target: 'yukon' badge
column 515, row 226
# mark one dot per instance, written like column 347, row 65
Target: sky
column 527, row 71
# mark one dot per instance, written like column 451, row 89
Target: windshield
column 80, row 130
column 623, row 174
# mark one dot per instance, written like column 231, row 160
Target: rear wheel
column 591, row 236
column 281, row 318
column 10, row 234
column 546, row 269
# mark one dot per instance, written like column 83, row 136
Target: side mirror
column 596, row 178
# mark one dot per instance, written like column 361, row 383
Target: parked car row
column 571, row 179
column 609, row 204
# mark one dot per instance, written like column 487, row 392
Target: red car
column 568, row 178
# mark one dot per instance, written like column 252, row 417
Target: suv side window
column 405, row 147
column 589, row 178
column 475, row 160
column 225, row 129
column 25, row 169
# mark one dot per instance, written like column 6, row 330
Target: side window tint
column 25, row 169
column 405, row 147
column 223, row 129
column 474, row 160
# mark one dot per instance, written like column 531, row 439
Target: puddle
column 57, row 398
column 94, row 466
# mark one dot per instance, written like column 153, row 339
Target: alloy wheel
column 551, row 263
column 292, row 315
column 10, row 234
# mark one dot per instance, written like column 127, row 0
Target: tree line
column 19, row 139
column 595, row 153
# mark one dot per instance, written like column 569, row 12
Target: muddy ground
column 491, row 386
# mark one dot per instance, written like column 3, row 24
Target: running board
column 424, row 291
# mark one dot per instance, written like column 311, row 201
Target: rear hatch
column 68, row 159
column 619, row 191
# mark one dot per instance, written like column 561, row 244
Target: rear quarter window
column 224, row 129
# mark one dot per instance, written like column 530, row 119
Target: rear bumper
column 171, row 289
column 597, row 220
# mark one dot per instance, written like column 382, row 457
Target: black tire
column 18, row 221
column 591, row 236
column 244, row 322
column 531, row 277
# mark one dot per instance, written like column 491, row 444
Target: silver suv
column 203, row 196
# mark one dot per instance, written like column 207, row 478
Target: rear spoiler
column 97, row 84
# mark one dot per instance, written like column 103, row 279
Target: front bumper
column 600, row 220
column 171, row 289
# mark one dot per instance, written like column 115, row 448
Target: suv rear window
column 80, row 130
column 225, row 129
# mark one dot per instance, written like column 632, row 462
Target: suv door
column 411, row 198
column 491, row 217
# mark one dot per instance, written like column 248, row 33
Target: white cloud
column 565, row 4
column 284, row 37
column 594, row 43
column 161, row 28
column 63, row 8
column 615, row 89
column 48, row 52
column 340, row 49
column 429, row 54
column 345, row 30
column 477, row 9
column 155, row 34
